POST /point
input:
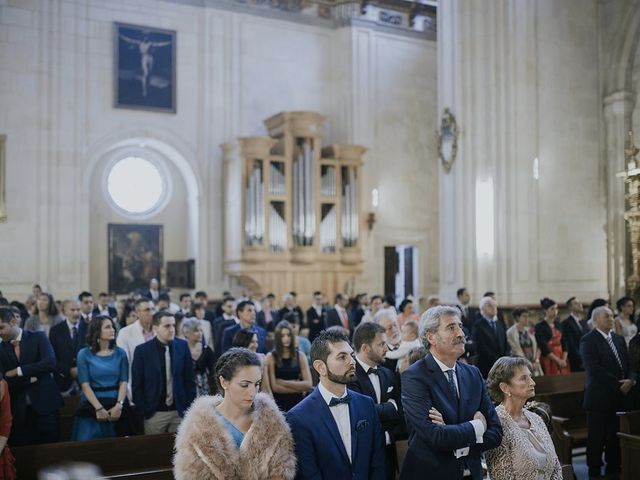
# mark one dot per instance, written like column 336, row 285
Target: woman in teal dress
column 103, row 373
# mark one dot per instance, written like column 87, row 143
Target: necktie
column 74, row 333
column 615, row 352
column 16, row 348
column 345, row 319
column 337, row 401
column 452, row 383
column 372, row 370
column 168, row 376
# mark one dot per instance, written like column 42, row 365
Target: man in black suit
column 490, row 336
column 86, row 312
column 267, row 317
column 379, row 383
column 290, row 306
column 608, row 382
column 573, row 330
column 103, row 308
column 201, row 297
column 28, row 361
column 65, row 340
column 360, row 308
column 227, row 319
column 339, row 316
column 316, row 315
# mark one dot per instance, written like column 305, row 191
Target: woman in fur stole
column 240, row 435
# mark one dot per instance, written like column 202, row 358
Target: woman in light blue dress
column 103, row 373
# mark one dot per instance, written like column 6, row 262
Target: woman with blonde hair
column 241, row 434
column 526, row 451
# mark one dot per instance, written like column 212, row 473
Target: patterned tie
column 169, row 376
column 452, row 383
column 615, row 352
column 16, row 348
column 345, row 319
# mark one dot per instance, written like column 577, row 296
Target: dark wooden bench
column 67, row 414
column 564, row 394
column 630, row 449
column 630, row 422
column 145, row 456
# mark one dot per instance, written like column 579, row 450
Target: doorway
column 401, row 272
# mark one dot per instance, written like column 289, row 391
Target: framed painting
column 145, row 68
column 135, row 256
column 3, row 182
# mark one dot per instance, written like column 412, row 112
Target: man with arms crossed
column 449, row 415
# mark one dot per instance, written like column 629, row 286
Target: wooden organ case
column 293, row 211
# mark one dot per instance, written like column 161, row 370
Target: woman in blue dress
column 103, row 373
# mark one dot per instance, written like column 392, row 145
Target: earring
column 508, row 394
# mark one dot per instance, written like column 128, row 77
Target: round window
column 136, row 185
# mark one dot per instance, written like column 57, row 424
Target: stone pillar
column 618, row 109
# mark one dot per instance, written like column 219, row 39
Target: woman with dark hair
column 625, row 322
column 247, row 338
column 198, row 311
column 202, row 357
column 405, row 312
column 240, row 434
column 598, row 302
column 289, row 373
column 554, row 353
column 522, row 342
column 127, row 317
column 526, row 451
column 103, row 373
column 302, row 343
column 46, row 315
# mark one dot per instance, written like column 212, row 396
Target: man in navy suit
column 28, row 362
column 65, row 340
column 379, row 383
column 316, row 315
column 86, row 312
column 246, row 314
column 337, row 433
column 489, row 335
column 162, row 380
column 573, row 329
column 103, row 307
column 449, row 415
column 339, row 316
column 607, row 383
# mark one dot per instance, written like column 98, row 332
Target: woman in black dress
column 289, row 373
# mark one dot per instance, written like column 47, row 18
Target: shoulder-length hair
column 52, row 310
column 93, row 333
column 279, row 349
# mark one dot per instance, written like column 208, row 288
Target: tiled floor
column 580, row 467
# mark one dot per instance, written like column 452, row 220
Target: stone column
column 618, row 109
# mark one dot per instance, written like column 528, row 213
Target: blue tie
column 337, row 401
column 452, row 383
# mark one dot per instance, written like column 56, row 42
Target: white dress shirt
column 340, row 415
column 478, row 426
column 375, row 380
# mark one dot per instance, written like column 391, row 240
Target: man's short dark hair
column 242, row 306
column 201, row 293
column 375, row 297
column 489, row 294
column 570, row 300
column 460, row 291
column 271, row 296
column 84, row 294
column 103, row 294
column 164, row 297
column 6, row 315
column 228, row 298
column 3, row 301
column 365, row 333
column 185, row 295
column 317, row 292
column 320, row 348
column 159, row 315
column 518, row 312
column 141, row 300
column 339, row 296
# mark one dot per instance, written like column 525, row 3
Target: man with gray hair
column 387, row 318
column 607, row 385
column 449, row 415
column 490, row 336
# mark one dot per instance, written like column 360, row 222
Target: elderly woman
column 526, row 451
column 240, row 434
column 201, row 355
column 523, row 342
column 549, row 337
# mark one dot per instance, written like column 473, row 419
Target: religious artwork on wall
column 145, row 68
column 135, row 256
column 3, row 182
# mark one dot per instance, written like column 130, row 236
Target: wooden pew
column 67, row 413
column 146, row 456
column 630, row 448
column 630, row 422
column 564, row 393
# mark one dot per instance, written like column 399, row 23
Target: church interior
column 405, row 148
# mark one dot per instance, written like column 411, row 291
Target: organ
column 293, row 209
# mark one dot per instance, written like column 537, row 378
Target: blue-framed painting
column 145, row 68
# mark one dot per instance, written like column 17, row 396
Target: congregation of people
column 253, row 391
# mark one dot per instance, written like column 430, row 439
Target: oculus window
column 136, row 186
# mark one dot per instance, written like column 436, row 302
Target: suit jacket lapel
column 330, row 423
column 443, row 384
column 354, row 434
column 365, row 382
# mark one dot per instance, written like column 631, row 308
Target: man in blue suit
column 162, row 383
column 336, row 431
column 28, row 363
column 449, row 415
column 246, row 313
